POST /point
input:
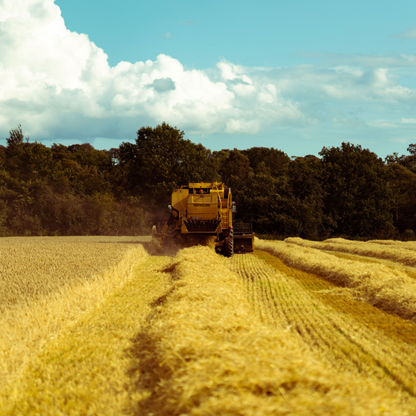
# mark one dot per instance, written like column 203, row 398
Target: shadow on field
column 150, row 376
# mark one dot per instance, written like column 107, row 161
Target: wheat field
column 46, row 284
column 97, row 326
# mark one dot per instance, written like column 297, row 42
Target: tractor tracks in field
column 347, row 334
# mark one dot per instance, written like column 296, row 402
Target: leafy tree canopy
column 81, row 190
column 358, row 193
column 161, row 159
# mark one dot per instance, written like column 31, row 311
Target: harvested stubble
column 205, row 352
column 46, row 284
column 348, row 335
column 410, row 271
column 85, row 369
column 340, row 240
column 390, row 290
column 392, row 252
column 408, row 245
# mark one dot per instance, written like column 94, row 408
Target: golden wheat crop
column 86, row 369
column 46, row 284
column 205, row 351
column 348, row 335
column 391, row 290
column 408, row 245
column 203, row 335
column 387, row 252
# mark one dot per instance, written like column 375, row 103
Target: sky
column 296, row 76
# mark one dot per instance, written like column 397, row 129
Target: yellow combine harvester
column 201, row 210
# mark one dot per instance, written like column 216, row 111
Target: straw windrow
column 390, row 290
column 408, row 245
column 347, row 334
column 205, row 352
column 386, row 252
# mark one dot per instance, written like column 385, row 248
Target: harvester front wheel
column 228, row 249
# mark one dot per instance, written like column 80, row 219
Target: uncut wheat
column 85, row 369
column 391, row 290
column 47, row 283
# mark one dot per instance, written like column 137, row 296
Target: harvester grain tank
column 201, row 210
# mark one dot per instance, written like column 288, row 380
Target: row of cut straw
column 385, row 252
column 390, row 290
column 205, row 352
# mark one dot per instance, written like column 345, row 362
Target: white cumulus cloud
column 409, row 33
column 58, row 84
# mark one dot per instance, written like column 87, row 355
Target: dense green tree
column 16, row 138
column 290, row 204
column 86, row 155
column 404, row 185
column 79, row 190
column 160, row 159
column 235, row 169
column 61, row 191
column 408, row 161
column 305, row 198
column 275, row 161
column 358, row 197
column 258, row 201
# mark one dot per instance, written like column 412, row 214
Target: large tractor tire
column 228, row 249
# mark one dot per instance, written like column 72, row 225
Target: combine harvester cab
column 202, row 210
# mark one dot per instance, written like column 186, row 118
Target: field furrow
column 349, row 335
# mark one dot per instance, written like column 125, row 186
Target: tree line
column 78, row 190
